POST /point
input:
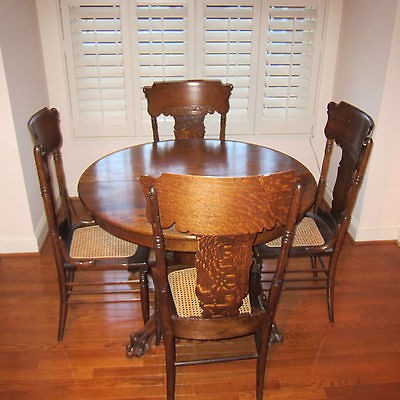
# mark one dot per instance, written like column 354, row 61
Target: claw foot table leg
column 276, row 335
column 140, row 340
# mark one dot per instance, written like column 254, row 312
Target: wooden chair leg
column 62, row 317
column 262, row 351
column 314, row 266
column 144, row 294
column 170, row 358
column 331, row 285
column 330, row 291
column 330, row 304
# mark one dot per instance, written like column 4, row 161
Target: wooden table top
column 111, row 191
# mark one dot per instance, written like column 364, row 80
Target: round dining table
column 110, row 189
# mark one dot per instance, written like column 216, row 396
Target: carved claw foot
column 276, row 335
column 141, row 339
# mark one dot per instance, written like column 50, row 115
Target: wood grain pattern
column 78, row 243
column 111, row 190
column 188, row 102
column 270, row 199
column 225, row 214
column 349, row 136
column 357, row 358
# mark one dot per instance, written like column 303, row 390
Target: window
column 269, row 50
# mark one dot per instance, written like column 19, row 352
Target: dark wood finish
column 188, row 102
column 111, row 190
column 45, row 129
column 357, row 358
column 351, row 130
column 224, row 214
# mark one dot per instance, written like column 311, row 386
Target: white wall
column 389, row 128
column 23, row 91
column 16, row 233
column 367, row 76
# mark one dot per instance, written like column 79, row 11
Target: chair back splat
column 79, row 244
column 188, row 102
column 220, row 296
column 320, row 235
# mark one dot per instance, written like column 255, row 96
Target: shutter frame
column 290, row 65
column 97, row 59
column 231, row 40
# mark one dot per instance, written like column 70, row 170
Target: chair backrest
column 225, row 214
column 351, row 129
column 47, row 138
column 188, row 102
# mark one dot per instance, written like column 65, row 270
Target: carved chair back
column 351, row 130
column 46, row 134
column 94, row 248
column 188, row 102
column 225, row 214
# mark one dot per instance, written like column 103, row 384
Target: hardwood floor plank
column 388, row 391
column 358, row 357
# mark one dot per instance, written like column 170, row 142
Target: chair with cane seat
column 79, row 245
column 320, row 235
column 220, row 296
column 188, row 102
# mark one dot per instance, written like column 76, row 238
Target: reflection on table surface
column 111, row 191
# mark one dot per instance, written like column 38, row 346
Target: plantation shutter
column 228, row 42
column 293, row 31
column 98, row 67
column 163, row 39
column 268, row 49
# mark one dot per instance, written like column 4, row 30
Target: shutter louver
column 228, row 44
column 97, row 68
column 162, row 35
column 290, row 62
column 269, row 50
column 162, row 41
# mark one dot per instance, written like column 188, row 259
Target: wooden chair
column 78, row 244
column 188, row 102
column 220, row 297
column 321, row 233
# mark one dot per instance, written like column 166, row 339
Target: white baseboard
column 19, row 245
column 26, row 244
column 41, row 230
column 373, row 234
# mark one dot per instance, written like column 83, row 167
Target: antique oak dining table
column 110, row 189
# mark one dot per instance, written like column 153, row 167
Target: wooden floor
column 358, row 358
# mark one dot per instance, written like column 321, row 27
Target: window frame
column 138, row 120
